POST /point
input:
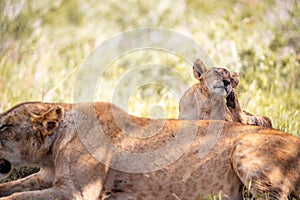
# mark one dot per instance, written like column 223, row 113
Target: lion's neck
column 218, row 109
column 211, row 107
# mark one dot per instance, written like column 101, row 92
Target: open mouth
column 5, row 166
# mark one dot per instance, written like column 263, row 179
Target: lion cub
column 215, row 97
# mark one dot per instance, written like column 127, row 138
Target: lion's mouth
column 220, row 87
column 227, row 89
column 5, row 166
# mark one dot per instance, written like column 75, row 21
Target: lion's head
column 215, row 97
column 209, row 98
column 24, row 133
column 215, row 81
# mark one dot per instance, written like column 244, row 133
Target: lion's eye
column 4, row 127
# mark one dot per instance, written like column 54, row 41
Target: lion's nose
column 226, row 82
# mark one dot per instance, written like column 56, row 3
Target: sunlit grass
column 43, row 47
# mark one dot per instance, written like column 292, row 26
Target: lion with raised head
column 215, row 97
column 53, row 137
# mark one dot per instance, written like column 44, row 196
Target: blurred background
column 43, row 44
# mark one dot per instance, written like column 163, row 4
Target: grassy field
column 43, row 45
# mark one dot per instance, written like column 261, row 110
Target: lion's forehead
column 224, row 72
column 13, row 115
column 217, row 73
column 9, row 118
column 21, row 112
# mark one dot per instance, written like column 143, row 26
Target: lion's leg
column 116, row 196
column 35, row 181
column 264, row 167
column 233, row 190
column 46, row 194
column 260, row 121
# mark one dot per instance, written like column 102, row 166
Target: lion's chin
column 5, row 168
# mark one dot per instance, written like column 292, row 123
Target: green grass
column 43, row 44
column 19, row 172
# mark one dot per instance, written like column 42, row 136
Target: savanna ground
column 43, row 44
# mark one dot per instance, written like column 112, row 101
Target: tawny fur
column 47, row 135
column 215, row 97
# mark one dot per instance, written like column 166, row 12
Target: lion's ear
column 199, row 68
column 48, row 121
column 235, row 79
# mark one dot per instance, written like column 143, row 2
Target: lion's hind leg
column 267, row 164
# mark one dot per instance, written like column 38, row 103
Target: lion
column 215, row 97
column 53, row 137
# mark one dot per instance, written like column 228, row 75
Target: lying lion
column 215, row 97
column 53, row 137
